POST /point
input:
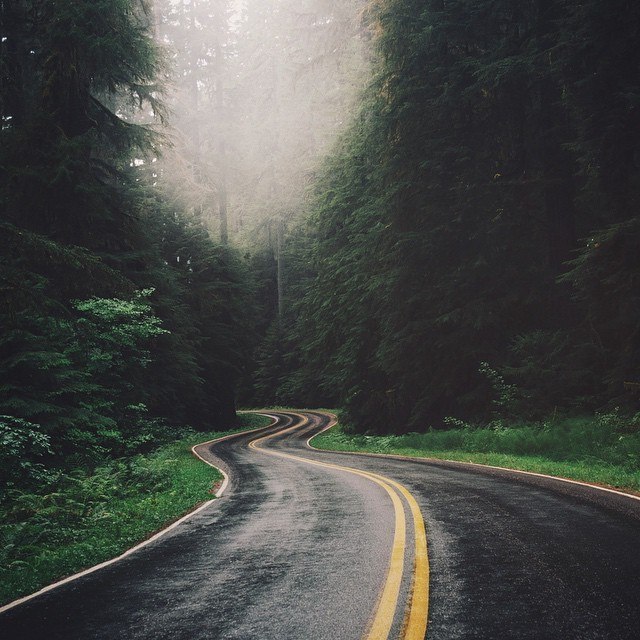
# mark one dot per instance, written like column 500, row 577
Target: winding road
column 312, row 545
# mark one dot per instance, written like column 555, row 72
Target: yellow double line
column 415, row 627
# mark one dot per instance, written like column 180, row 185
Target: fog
column 258, row 92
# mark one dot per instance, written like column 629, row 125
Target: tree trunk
column 222, row 188
column 280, row 266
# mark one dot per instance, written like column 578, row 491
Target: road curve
column 521, row 556
column 292, row 550
column 304, row 549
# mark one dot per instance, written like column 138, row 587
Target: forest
column 422, row 212
column 474, row 233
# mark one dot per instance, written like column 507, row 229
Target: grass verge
column 83, row 519
column 599, row 450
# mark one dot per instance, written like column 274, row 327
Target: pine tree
column 449, row 213
column 64, row 151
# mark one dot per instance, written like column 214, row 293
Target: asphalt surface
column 301, row 552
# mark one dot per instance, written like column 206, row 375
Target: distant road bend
column 312, row 545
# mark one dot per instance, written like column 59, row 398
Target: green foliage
column 606, row 279
column 113, row 340
column 252, row 421
column 80, row 517
column 271, row 367
column 65, row 146
column 607, row 438
column 80, row 377
column 119, row 316
column 22, row 444
column 504, row 393
column 83, row 518
column 492, row 137
column 604, row 449
column 552, row 373
column 204, row 295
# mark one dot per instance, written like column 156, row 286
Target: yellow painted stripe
column 388, row 603
column 385, row 613
column 416, row 627
column 387, row 606
column 418, row 614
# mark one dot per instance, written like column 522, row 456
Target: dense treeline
column 472, row 250
column 476, row 234
column 120, row 316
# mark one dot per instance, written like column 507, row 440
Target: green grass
column 83, row 518
column 603, row 450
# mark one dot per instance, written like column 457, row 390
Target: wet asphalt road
column 300, row 552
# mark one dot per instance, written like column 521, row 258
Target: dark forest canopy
column 475, row 236
column 120, row 316
column 470, row 249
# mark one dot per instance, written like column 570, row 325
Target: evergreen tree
column 118, row 312
column 63, row 151
column 490, row 142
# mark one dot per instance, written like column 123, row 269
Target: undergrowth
column 604, row 449
column 82, row 517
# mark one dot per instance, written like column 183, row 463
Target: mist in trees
column 154, row 160
column 260, row 92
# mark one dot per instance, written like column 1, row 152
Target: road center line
column 415, row 628
column 416, row 623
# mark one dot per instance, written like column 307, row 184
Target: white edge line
column 153, row 538
column 473, row 464
column 225, row 482
column 543, row 475
column 332, row 423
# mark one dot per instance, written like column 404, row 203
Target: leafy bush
column 82, row 517
column 22, row 443
column 505, row 394
column 552, row 371
column 82, row 377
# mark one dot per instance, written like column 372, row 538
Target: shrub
column 22, row 444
